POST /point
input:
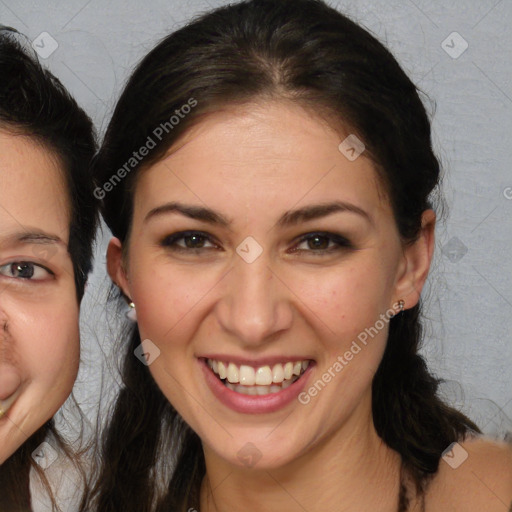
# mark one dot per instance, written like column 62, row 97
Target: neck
column 348, row 471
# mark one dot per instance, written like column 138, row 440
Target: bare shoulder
column 474, row 475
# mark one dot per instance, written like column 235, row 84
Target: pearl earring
column 400, row 304
column 131, row 314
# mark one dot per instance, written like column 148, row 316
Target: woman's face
column 260, row 249
column 39, row 340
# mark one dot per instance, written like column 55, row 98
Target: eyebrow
column 32, row 237
column 289, row 218
column 320, row 210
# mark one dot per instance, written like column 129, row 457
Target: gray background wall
column 469, row 294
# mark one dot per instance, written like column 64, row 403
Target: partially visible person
column 48, row 220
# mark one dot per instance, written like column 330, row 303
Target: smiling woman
column 47, row 224
column 274, row 246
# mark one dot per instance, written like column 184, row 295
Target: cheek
column 348, row 298
column 168, row 300
column 348, row 312
column 43, row 337
column 48, row 341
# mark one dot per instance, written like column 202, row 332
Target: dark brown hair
column 306, row 52
column 34, row 103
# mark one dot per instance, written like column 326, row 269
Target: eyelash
column 9, row 265
column 341, row 243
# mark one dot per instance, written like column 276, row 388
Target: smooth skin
column 195, row 295
column 39, row 336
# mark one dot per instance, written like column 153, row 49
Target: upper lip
column 255, row 362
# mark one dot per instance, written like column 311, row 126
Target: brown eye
column 188, row 240
column 194, row 241
column 318, row 242
column 321, row 243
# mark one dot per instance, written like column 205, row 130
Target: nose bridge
column 255, row 305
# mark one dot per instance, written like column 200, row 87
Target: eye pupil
column 318, row 242
column 194, row 241
column 24, row 270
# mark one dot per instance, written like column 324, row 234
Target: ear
column 417, row 258
column 115, row 265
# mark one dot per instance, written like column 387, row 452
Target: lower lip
column 254, row 404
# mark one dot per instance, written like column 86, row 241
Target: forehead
column 267, row 155
column 33, row 192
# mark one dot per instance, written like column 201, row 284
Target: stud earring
column 400, row 304
column 131, row 314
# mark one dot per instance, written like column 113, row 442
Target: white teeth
column 222, row 370
column 277, row 373
column 247, row 375
column 263, row 380
column 264, row 376
column 233, row 374
column 263, row 390
column 288, row 370
column 255, row 390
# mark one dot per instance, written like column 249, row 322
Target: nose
column 255, row 305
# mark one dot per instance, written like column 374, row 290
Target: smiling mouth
column 261, row 380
